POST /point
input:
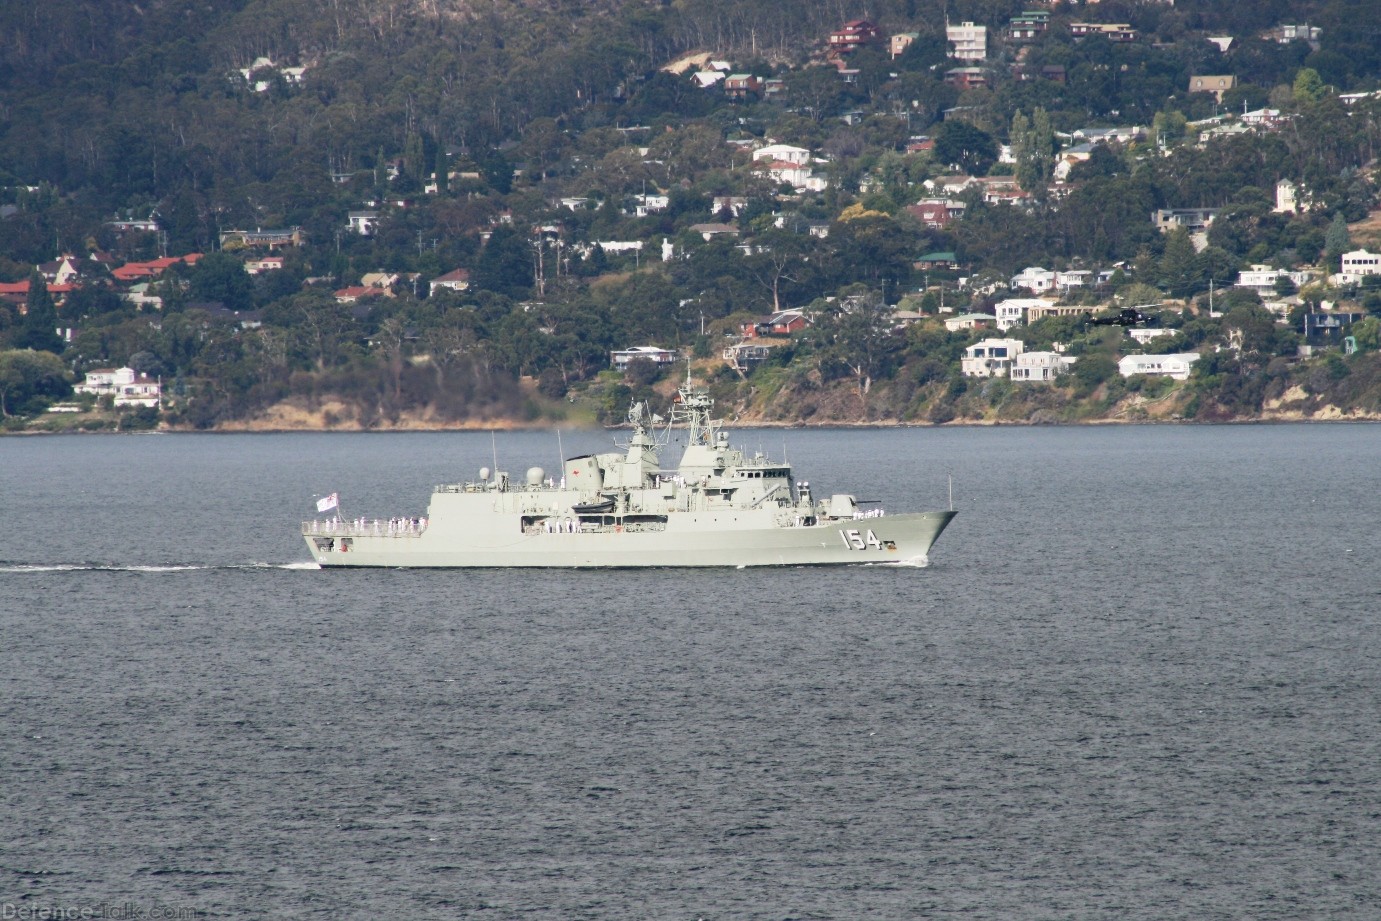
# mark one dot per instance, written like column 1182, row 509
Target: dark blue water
column 1141, row 678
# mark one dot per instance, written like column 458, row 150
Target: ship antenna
column 561, row 452
column 494, row 447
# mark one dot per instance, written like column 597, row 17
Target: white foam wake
column 168, row 567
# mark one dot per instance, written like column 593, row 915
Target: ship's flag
column 328, row 503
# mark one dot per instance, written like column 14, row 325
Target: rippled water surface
column 1140, row 678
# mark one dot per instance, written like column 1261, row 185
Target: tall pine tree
column 39, row 331
column 1336, row 240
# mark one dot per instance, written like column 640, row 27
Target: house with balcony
column 1040, row 367
column 966, row 78
column 1034, row 278
column 742, row 86
column 1028, row 26
column 621, row 358
column 1262, row 278
column 125, row 385
column 1012, row 311
column 991, row 357
column 1119, row 32
column 968, row 42
column 853, row 35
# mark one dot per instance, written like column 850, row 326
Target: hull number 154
column 856, row 540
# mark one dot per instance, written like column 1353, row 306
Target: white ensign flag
column 328, row 503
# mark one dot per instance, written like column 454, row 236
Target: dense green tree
column 39, row 328
column 1179, row 268
column 1031, row 141
column 221, row 277
column 29, row 380
column 1308, row 85
column 965, row 145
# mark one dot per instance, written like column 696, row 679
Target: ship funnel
column 583, row 473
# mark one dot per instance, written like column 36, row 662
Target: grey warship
column 719, row 507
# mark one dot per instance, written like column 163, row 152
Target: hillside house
column 128, row 387
column 1040, row 367
column 968, row 42
column 263, row 239
column 966, row 78
column 362, row 222
column 897, row 44
column 621, row 358
column 742, row 86
column 1012, row 311
column 1262, row 278
column 853, row 35
column 1217, row 84
column 1034, row 278
column 781, row 323
column 263, row 264
column 969, row 321
column 1028, row 26
column 786, row 153
column 1118, row 32
column 454, row 280
column 936, row 213
column 991, row 357
column 1176, row 365
column 1195, row 220
column 1357, row 265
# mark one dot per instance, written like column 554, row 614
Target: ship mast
column 692, row 408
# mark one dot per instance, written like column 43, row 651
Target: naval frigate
column 718, row 507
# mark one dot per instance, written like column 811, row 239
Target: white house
column 1145, row 335
column 1012, row 311
column 265, row 264
column 645, row 204
column 620, row 359
column 1039, row 367
column 454, row 280
column 969, row 321
column 1358, row 264
column 362, row 222
column 1034, row 278
column 1175, row 365
column 128, row 387
column 1262, row 278
column 784, row 152
column 991, row 357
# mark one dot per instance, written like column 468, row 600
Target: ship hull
column 723, row 540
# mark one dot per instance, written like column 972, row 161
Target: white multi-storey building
column 970, row 41
column 1358, row 264
column 1012, row 311
column 991, row 357
column 1040, row 367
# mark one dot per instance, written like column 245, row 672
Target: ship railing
column 366, row 527
column 575, row 526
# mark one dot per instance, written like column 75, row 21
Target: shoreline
column 511, row 426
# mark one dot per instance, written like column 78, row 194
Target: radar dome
column 535, row 476
column 484, row 473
